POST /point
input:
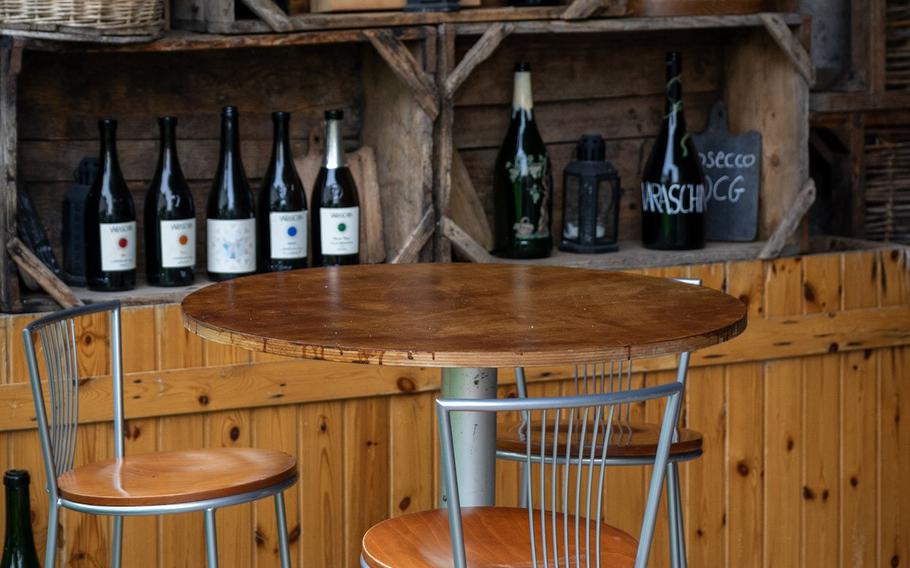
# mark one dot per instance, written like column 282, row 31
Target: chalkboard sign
column 732, row 167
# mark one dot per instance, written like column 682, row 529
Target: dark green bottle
column 110, row 221
column 282, row 207
column 336, row 206
column 522, row 181
column 170, row 217
column 19, row 544
column 673, row 183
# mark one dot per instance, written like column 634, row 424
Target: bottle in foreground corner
column 230, row 224
column 19, row 544
column 673, row 183
column 170, row 217
column 335, row 203
column 110, row 221
column 522, row 181
column 282, row 209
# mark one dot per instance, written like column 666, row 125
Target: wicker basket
column 84, row 17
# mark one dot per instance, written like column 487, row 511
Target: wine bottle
column 673, row 183
column 230, row 224
column 110, row 221
column 522, row 181
column 19, row 544
column 282, row 207
column 170, row 217
column 336, row 205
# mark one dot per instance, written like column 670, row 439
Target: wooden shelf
column 143, row 293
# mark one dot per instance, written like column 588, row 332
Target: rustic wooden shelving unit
column 419, row 75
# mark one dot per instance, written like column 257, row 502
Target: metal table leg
column 474, row 436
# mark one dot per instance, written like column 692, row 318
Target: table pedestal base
column 474, row 436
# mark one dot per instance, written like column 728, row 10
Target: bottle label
column 118, row 246
column 530, row 178
column 231, row 245
column 178, row 243
column 672, row 199
column 287, row 234
column 340, row 230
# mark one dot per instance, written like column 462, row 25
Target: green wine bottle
column 522, row 181
column 19, row 544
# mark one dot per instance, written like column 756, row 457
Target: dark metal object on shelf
column 73, row 232
column 432, row 6
column 591, row 193
column 32, row 234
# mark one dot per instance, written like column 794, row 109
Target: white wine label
column 340, row 230
column 287, row 234
column 178, row 243
column 673, row 199
column 231, row 245
column 118, row 246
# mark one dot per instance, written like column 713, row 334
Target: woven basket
column 105, row 17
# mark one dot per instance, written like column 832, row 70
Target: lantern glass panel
column 606, row 206
column 570, row 208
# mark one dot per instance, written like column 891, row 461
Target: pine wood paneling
column 786, row 429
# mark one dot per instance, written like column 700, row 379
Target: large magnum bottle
column 19, row 544
column 522, row 181
column 110, row 221
column 282, row 207
column 673, row 183
column 170, row 217
column 230, row 224
column 336, row 205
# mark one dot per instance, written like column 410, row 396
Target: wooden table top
column 462, row 315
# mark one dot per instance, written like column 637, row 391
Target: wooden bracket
column 412, row 246
column 801, row 204
column 581, row 9
column 479, row 52
column 790, row 45
column 42, row 275
column 271, row 14
column 406, row 67
column 463, row 243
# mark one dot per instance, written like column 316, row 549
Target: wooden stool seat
column 165, row 478
column 494, row 537
column 635, row 440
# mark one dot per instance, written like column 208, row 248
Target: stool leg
column 50, row 553
column 674, row 513
column 117, row 542
column 282, row 531
column 211, row 539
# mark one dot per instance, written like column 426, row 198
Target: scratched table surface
column 462, row 315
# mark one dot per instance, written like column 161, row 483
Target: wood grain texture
column 469, row 315
column 493, row 537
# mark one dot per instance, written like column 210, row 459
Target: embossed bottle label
column 287, row 234
column 231, row 245
column 340, row 230
column 178, row 243
column 672, row 199
column 118, row 246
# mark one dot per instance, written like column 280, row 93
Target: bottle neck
column 281, row 143
column 521, row 93
column 334, row 149
column 110, row 165
column 230, row 143
column 673, row 104
column 18, row 518
column 167, row 158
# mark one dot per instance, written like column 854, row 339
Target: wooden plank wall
column 806, row 452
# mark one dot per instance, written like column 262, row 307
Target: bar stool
column 148, row 484
column 634, row 443
column 561, row 523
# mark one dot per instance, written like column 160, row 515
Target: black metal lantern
column 590, row 200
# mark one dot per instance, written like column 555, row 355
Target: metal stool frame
column 57, row 335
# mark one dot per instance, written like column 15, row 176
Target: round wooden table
column 468, row 319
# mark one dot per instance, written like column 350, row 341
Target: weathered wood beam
column 443, row 144
column 406, row 67
column 411, row 248
column 581, row 9
column 791, row 46
column 41, row 274
column 271, row 14
column 10, row 65
column 479, row 52
column 801, row 204
column 463, row 243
